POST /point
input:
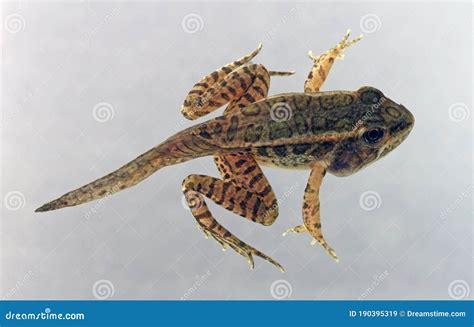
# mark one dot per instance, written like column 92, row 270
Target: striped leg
column 311, row 212
column 240, row 168
column 256, row 206
column 243, row 171
column 255, row 88
column 323, row 64
column 227, row 84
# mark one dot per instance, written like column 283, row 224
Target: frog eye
column 373, row 135
column 370, row 96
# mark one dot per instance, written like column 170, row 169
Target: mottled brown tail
column 181, row 147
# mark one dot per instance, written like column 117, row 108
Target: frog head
column 381, row 126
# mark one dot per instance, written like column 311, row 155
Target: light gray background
column 60, row 60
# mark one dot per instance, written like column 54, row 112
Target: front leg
column 311, row 212
column 323, row 64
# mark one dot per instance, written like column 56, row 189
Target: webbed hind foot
column 240, row 193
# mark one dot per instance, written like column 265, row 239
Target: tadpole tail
column 181, row 147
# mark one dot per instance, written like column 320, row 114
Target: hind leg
column 242, row 170
column 227, row 84
column 253, row 205
column 322, row 64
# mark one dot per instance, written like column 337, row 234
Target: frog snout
column 403, row 126
column 409, row 118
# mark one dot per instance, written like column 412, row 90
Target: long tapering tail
column 181, row 147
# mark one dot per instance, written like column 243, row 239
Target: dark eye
column 373, row 135
column 370, row 96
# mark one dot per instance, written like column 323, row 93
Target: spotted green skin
column 324, row 128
